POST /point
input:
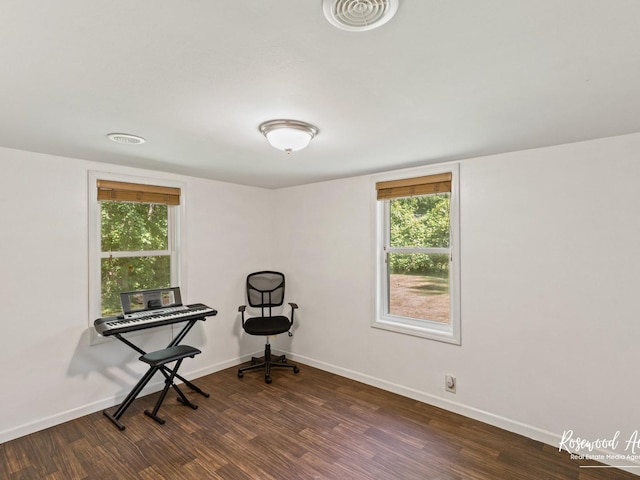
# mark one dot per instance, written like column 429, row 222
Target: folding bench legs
column 167, row 384
column 157, row 361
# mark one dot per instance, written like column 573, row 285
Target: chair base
column 267, row 362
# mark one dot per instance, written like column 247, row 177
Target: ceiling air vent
column 359, row 15
column 126, row 138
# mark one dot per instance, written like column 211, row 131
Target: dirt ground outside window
column 421, row 297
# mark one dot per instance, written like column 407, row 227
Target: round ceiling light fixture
column 126, row 138
column 359, row 15
column 288, row 135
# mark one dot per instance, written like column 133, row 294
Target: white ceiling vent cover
column 126, row 138
column 359, row 15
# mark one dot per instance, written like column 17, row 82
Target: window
column 133, row 240
column 417, row 256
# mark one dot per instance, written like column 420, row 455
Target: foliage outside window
column 135, row 251
column 418, row 257
column 418, row 270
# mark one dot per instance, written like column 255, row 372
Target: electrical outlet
column 450, row 383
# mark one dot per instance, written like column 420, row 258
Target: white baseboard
column 152, row 387
column 499, row 421
column 508, row 424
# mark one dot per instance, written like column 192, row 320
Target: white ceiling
column 442, row 80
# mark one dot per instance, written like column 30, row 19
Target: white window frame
column 449, row 332
column 176, row 240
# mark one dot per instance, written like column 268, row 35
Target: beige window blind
column 408, row 187
column 137, row 192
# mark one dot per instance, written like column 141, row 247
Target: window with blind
column 134, row 233
column 417, row 256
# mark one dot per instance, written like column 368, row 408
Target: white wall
column 549, row 273
column 50, row 373
column 550, row 269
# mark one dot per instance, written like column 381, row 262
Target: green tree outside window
column 135, row 250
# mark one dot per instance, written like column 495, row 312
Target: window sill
column 417, row 328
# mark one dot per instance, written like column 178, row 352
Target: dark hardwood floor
column 311, row 425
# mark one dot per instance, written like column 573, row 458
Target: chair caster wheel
column 296, row 370
column 240, row 374
column 267, row 379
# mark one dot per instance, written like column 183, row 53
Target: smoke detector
column 126, row 138
column 359, row 15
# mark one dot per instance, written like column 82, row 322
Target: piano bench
column 171, row 354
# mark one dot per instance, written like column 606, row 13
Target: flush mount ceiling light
column 126, row 138
column 359, row 15
column 288, row 135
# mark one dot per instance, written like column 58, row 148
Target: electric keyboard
column 152, row 318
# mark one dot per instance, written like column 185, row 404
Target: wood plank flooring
column 314, row 425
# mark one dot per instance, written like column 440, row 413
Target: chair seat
column 267, row 325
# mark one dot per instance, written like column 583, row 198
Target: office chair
column 265, row 290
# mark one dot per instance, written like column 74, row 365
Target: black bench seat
column 170, row 354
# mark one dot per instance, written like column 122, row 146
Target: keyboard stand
column 157, row 361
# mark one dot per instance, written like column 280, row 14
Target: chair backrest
column 265, row 290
